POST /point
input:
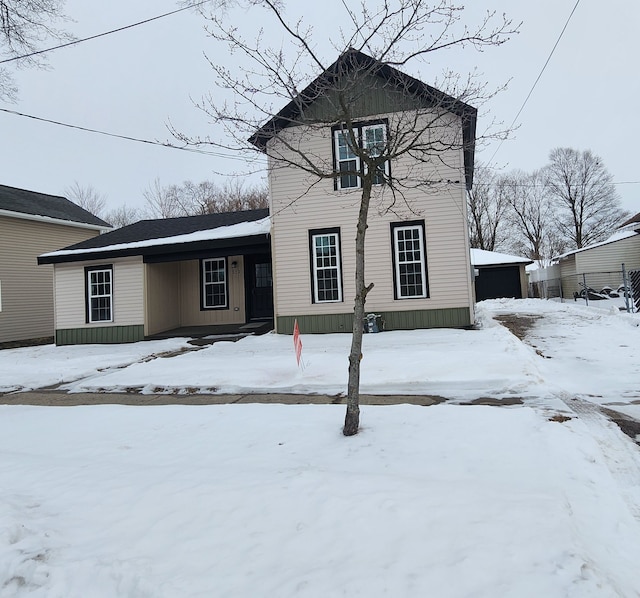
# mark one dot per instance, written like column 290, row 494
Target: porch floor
column 205, row 335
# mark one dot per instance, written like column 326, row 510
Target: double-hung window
column 368, row 137
column 347, row 162
column 326, row 267
column 410, row 271
column 374, row 140
column 99, row 286
column 214, row 283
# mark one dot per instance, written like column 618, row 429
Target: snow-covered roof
column 242, row 229
column 481, row 257
column 617, row 236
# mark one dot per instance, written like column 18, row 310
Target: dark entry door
column 259, row 285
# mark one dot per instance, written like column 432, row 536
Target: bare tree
column 487, row 208
column 588, row 206
column 532, row 215
column 375, row 42
column 24, row 26
column 206, row 197
column 87, row 197
column 122, row 216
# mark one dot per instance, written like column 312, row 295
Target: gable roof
column 165, row 236
column 352, row 60
column 43, row 206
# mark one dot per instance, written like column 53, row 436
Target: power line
column 125, row 137
column 85, row 39
column 535, row 83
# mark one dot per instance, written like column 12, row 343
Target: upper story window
column 99, row 286
column 346, row 161
column 371, row 137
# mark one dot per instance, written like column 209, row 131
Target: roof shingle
column 33, row 203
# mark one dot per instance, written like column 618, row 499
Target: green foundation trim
column 454, row 317
column 100, row 335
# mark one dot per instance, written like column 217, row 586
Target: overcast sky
column 134, row 82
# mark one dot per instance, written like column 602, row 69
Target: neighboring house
column 417, row 256
column 32, row 223
column 599, row 264
column 161, row 275
column 602, row 262
column 499, row 275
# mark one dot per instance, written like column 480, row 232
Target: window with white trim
column 326, row 268
column 99, row 284
column 214, row 283
column 346, row 161
column 374, row 140
column 410, row 272
column 371, row 137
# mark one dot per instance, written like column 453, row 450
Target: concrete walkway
column 57, row 398
column 63, row 399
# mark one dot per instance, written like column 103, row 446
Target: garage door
column 493, row 283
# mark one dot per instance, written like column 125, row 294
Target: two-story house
column 417, row 249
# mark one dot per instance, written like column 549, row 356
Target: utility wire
column 535, row 83
column 125, row 137
column 196, row 150
column 85, row 39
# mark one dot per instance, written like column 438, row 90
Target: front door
column 259, row 285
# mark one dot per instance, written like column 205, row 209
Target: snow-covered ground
column 271, row 500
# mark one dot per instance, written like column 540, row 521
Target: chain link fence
column 618, row 287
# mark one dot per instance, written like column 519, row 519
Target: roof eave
column 50, row 220
column 165, row 250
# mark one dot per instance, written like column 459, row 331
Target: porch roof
column 170, row 239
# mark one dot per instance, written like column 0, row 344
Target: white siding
column 297, row 207
column 128, row 293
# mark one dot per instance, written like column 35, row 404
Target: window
column 214, row 283
column 326, row 268
column 410, row 274
column 371, row 137
column 346, row 161
column 374, row 139
column 99, row 286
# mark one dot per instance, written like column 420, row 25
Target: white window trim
column 337, row 267
column 423, row 268
column 205, row 284
column 364, row 130
column 91, row 296
column 336, row 139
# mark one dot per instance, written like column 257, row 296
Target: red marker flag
column 297, row 342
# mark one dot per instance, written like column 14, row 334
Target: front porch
column 207, row 335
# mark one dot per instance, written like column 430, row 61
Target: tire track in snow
column 621, row 454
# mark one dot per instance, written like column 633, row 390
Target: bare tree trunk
column 352, row 417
